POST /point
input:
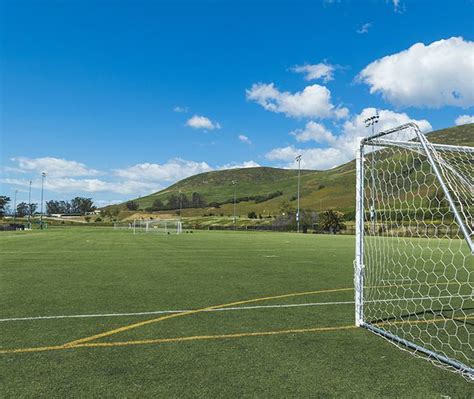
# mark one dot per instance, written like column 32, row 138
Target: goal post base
column 459, row 366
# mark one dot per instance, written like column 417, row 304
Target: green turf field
column 263, row 350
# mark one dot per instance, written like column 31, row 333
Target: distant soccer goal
column 414, row 266
column 170, row 226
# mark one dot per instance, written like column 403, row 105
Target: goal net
column 170, row 226
column 414, row 267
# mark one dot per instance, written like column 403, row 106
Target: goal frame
column 424, row 146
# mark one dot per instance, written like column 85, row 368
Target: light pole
column 43, row 175
column 370, row 122
column 234, row 220
column 298, row 159
column 29, row 206
column 14, row 207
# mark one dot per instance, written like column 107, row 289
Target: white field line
column 294, row 305
column 83, row 316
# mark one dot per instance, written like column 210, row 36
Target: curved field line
column 176, row 339
column 174, row 315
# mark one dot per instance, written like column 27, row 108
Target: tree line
column 182, row 201
column 22, row 209
column 78, row 205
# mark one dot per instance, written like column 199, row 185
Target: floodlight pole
column 29, row 206
column 298, row 159
column 370, row 122
column 180, row 205
column 43, row 175
column 234, row 220
column 14, row 206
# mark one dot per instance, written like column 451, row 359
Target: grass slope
column 334, row 188
column 97, row 270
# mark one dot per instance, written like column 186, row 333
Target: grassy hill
column 320, row 190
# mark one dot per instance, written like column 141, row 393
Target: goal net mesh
column 418, row 278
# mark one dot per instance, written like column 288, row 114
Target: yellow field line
column 171, row 316
column 214, row 337
column 177, row 339
column 162, row 318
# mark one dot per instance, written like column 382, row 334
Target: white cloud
column 317, row 71
column 246, row 164
column 135, row 180
column 55, row 167
column 312, row 131
column 174, row 169
column 396, row 6
column 364, row 28
column 334, row 149
column 464, row 119
column 313, row 102
column 202, row 122
column 181, row 109
column 433, row 76
column 73, row 185
column 244, row 139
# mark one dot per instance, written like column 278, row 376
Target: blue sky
column 115, row 99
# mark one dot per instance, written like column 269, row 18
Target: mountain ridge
column 320, row 189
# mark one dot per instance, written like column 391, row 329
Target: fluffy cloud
column 464, row 119
column 54, row 167
column 73, row 185
column 334, row 149
column 246, row 164
column 313, row 102
column 317, row 71
column 174, row 169
column 135, row 180
column 435, row 75
column 244, row 139
column 202, row 122
column 364, row 28
column 313, row 131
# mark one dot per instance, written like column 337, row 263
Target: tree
column 132, row 205
column 173, row 202
column 252, row 215
column 332, row 221
column 4, row 200
column 22, row 209
column 54, row 207
column 198, row 201
column 33, row 208
column 82, row 205
column 184, row 201
column 157, row 205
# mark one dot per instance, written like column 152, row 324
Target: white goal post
column 414, row 265
column 165, row 226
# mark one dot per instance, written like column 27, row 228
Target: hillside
column 334, row 188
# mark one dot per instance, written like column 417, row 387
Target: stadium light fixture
column 298, row 159
column 43, row 175
column 372, row 120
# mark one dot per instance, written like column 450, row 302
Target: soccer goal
column 170, row 226
column 414, row 266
